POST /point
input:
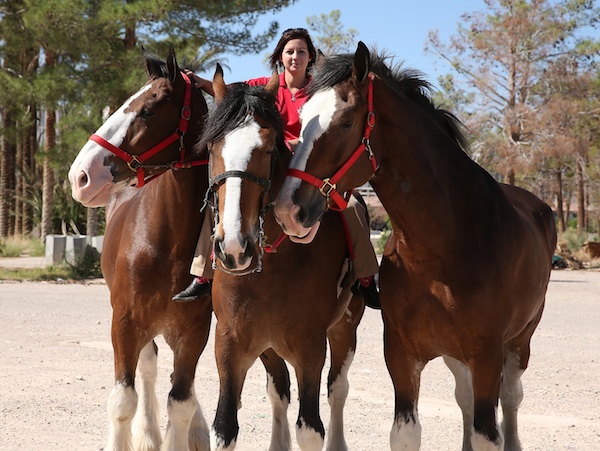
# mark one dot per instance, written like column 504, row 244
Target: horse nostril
column 82, row 180
column 301, row 215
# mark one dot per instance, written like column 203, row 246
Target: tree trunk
column 559, row 202
column 93, row 222
column 7, row 173
column 29, row 150
column 581, row 219
column 19, row 178
column 48, row 182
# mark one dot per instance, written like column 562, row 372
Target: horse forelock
column 240, row 102
column 406, row 82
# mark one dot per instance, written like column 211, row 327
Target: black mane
column 240, row 101
column 410, row 83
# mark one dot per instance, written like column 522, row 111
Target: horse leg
column 405, row 371
column 486, row 371
column 183, row 408
column 278, row 390
column 232, row 366
column 122, row 401
column 310, row 432
column 342, row 342
column 511, row 395
column 146, row 426
column 199, row 435
column 463, row 393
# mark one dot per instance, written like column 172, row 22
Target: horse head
column 142, row 139
column 243, row 136
column 333, row 155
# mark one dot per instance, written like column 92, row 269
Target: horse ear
column 320, row 56
column 172, row 67
column 153, row 69
column 361, row 67
column 272, row 85
column 219, row 86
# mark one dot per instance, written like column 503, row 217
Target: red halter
column 327, row 186
column 136, row 162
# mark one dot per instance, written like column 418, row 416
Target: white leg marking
column 121, row 406
column 479, row 442
column 280, row 429
column 217, row 444
column 511, row 395
column 406, row 436
column 180, row 415
column 308, row 439
column 338, row 393
column 463, row 393
column 146, row 425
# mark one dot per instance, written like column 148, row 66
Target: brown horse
column 466, row 269
column 293, row 300
column 148, row 244
column 149, row 241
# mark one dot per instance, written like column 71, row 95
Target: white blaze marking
column 316, row 117
column 113, row 130
column 237, row 152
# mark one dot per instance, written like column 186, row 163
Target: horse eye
column 145, row 113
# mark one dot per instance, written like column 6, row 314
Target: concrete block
column 55, row 249
column 75, row 248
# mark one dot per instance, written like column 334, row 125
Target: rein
column 136, row 162
column 328, row 186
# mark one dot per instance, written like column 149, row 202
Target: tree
column 328, row 33
column 507, row 57
column 90, row 59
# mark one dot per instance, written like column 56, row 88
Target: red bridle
column 328, row 186
column 136, row 162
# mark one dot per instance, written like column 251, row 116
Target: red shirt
column 289, row 106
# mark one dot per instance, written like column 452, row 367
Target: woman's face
column 295, row 57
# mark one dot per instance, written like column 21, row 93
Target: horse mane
column 334, row 69
column 241, row 101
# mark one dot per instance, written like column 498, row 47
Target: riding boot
column 200, row 286
column 367, row 288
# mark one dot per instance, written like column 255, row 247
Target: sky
column 398, row 27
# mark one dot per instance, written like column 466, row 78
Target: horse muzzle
column 235, row 255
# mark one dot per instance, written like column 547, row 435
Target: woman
column 296, row 54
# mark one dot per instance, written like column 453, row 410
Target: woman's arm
column 201, row 83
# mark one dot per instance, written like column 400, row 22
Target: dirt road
column 56, row 374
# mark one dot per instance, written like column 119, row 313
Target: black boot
column 369, row 293
column 199, row 287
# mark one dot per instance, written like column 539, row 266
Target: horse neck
column 424, row 177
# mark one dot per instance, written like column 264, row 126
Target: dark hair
column 288, row 35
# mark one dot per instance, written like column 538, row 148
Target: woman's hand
column 291, row 144
column 200, row 83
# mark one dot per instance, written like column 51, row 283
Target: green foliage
column 326, row 29
column 381, row 241
column 88, row 267
column 573, row 240
column 16, row 246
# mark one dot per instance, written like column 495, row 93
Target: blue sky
column 396, row 26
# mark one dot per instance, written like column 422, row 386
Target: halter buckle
column 327, row 187
column 134, row 164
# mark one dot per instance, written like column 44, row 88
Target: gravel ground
column 56, row 374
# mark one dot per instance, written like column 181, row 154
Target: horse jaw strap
column 328, row 186
column 136, row 162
